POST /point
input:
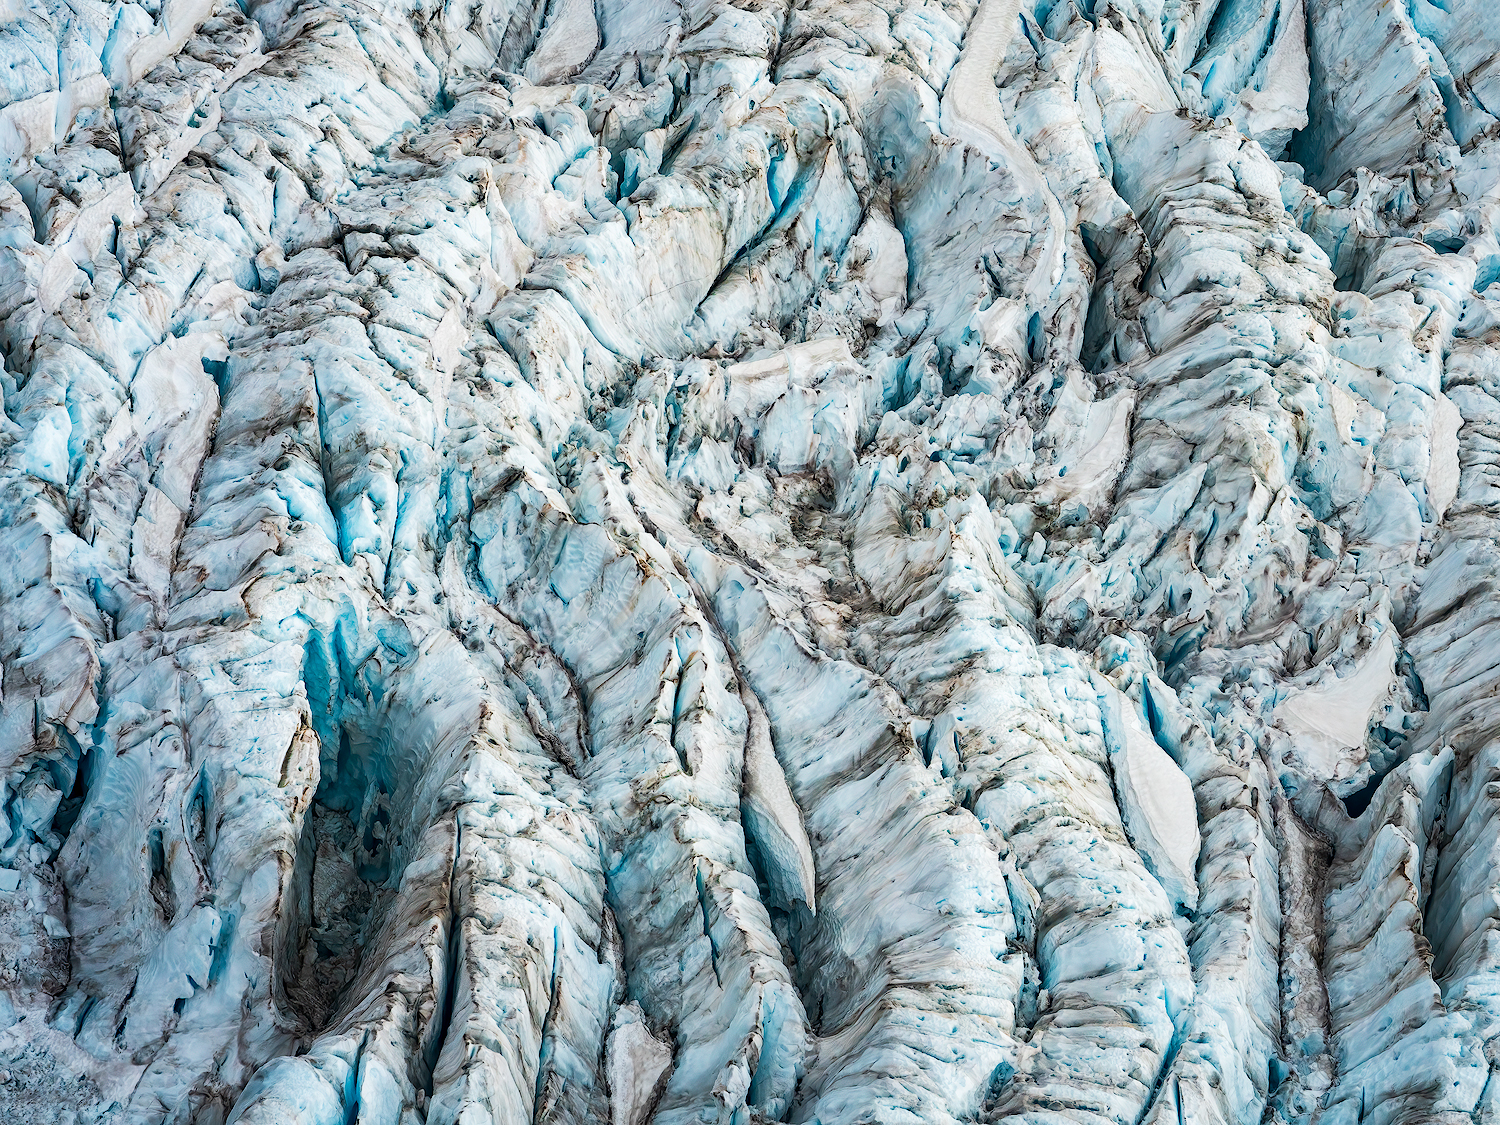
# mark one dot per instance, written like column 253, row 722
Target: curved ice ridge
column 848, row 561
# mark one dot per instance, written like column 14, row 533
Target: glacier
column 668, row 562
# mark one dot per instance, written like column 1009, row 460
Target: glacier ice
column 849, row 561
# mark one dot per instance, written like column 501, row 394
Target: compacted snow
column 869, row 562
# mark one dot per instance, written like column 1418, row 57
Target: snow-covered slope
column 847, row 561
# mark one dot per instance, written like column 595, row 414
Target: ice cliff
column 868, row 562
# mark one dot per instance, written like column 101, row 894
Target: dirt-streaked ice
column 842, row 562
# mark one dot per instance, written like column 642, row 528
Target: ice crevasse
column 717, row 562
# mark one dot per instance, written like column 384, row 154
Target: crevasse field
column 856, row 562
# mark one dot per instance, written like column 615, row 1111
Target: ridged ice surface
column 869, row 562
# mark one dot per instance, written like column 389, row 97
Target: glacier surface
column 859, row 562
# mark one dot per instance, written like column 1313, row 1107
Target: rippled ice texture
column 730, row 561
